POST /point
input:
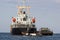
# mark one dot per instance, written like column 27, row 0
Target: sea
column 8, row 36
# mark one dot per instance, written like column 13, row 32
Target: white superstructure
column 23, row 17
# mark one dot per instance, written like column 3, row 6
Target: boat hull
column 47, row 33
column 22, row 31
column 18, row 31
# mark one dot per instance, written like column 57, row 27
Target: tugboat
column 46, row 31
column 23, row 24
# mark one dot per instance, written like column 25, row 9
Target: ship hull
column 22, row 31
column 18, row 31
column 32, row 30
column 49, row 33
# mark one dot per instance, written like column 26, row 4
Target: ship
column 46, row 31
column 24, row 24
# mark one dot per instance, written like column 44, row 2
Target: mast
column 23, row 7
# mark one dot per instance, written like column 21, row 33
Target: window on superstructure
column 17, row 18
column 17, row 21
column 24, row 12
column 24, row 19
column 21, row 19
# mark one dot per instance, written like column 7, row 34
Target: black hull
column 47, row 33
column 22, row 31
column 18, row 31
column 32, row 30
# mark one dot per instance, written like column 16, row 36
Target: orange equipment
column 13, row 19
column 33, row 20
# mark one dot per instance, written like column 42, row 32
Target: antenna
column 23, row 7
column 28, row 10
column 28, row 2
column 24, row 2
column 18, row 2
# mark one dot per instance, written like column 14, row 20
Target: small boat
column 46, row 31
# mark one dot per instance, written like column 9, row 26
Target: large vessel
column 23, row 24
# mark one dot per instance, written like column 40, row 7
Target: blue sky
column 47, row 13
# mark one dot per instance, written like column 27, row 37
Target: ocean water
column 8, row 36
